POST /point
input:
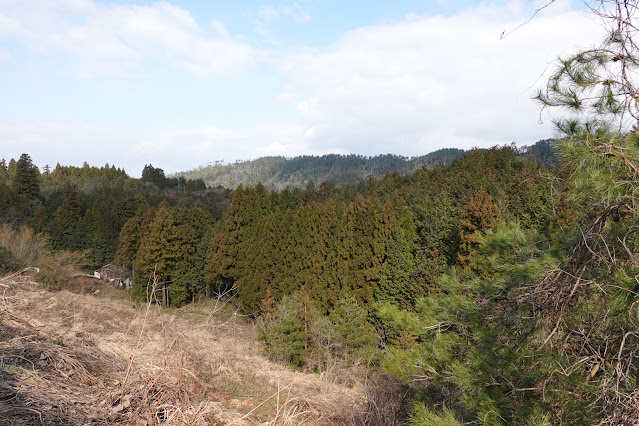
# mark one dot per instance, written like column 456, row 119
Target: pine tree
column 26, row 177
column 472, row 340
column 324, row 271
column 598, row 89
column 255, row 279
column 64, row 227
column 72, row 198
column 539, row 333
column 232, row 247
column 132, row 233
column 355, row 336
column 38, row 220
column 365, row 250
column 283, row 333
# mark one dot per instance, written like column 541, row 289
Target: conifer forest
column 493, row 286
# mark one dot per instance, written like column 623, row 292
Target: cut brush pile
column 72, row 358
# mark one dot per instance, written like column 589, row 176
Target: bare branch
column 505, row 34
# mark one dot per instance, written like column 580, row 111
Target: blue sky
column 181, row 84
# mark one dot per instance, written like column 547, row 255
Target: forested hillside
column 280, row 172
column 497, row 289
column 330, row 273
column 490, row 285
column 108, row 216
column 386, row 241
column 315, row 267
column 84, row 209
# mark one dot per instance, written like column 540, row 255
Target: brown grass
column 25, row 245
column 64, row 358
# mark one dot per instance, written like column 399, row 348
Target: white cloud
column 407, row 87
column 433, row 81
column 171, row 148
column 219, row 28
column 301, row 16
column 269, row 13
column 295, row 12
column 114, row 39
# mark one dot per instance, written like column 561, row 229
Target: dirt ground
column 69, row 358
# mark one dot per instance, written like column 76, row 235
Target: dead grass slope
column 69, row 358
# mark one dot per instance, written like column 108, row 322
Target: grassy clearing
column 95, row 358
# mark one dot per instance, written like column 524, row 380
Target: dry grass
column 72, row 358
column 626, row 413
column 25, row 245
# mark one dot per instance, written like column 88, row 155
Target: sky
column 182, row 84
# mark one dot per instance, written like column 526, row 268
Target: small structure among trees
column 114, row 273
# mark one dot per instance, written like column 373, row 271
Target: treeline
column 339, row 272
column 379, row 240
column 156, row 176
column 333, row 249
column 279, row 173
column 83, row 209
column 496, row 288
column 386, row 241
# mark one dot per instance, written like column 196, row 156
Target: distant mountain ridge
column 278, row 173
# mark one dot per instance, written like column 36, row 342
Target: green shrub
column 282, row 332
column 355, row 336
column 401, row 329
column 422, row 416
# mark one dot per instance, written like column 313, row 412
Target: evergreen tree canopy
column 543, row 330
column 167, row 251
column 26, row 177
column 154, row 175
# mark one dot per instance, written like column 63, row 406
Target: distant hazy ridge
column 281, row 172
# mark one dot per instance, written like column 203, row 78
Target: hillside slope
column 72, row 358
column 281, row 172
